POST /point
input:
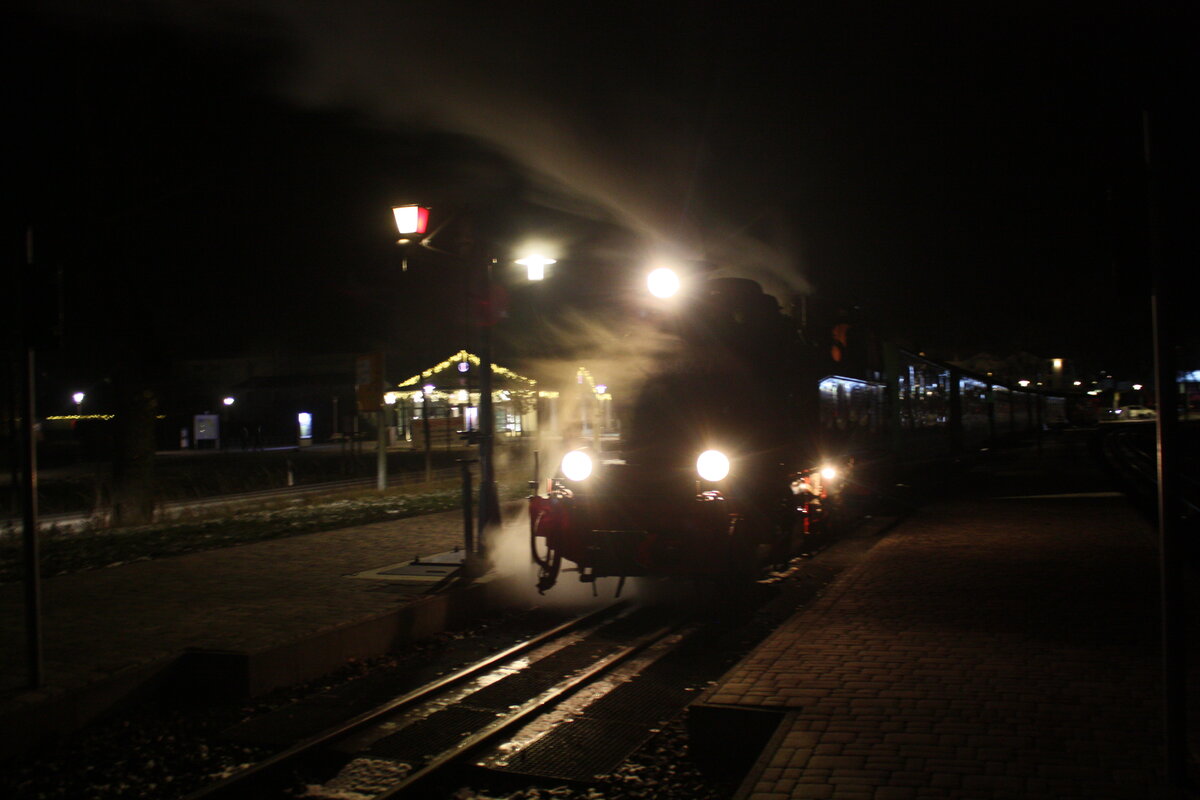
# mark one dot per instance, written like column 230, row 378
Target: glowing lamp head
column 535, row 266
column 663, row 282
column 77, row 397
column 411, row 220
column 428, row 388
column 829, row 473
column 712, row 465
column 577, row 465
column 229, row 401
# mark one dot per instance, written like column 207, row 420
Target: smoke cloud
column 618, row 116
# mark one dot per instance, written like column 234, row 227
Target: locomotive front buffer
column 620, row 520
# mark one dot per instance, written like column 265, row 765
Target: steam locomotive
column 746, row 447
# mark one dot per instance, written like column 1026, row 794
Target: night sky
column 216, row 178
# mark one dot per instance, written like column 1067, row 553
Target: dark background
column 217, row 180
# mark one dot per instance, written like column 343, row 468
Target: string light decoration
column 462, row 356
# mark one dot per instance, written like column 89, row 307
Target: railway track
column 178, row 508
column 508, row 711
column 1130, row 451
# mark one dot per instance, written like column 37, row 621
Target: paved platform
column 241, row 619
column 1002, row 643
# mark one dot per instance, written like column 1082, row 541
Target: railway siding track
column 177, row 509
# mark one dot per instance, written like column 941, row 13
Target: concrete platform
column 999, row 644
column 235, row 621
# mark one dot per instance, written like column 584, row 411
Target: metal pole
column 381, row 452
column 489, row 504
column 468, row 515
column 1171, row 578
column 29, row 482
column 428, row 444
column 33, row 578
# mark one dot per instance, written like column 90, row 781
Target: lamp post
column 78, row 397
column 411, row 222
column 226, row 403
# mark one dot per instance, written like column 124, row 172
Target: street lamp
column 78, row 398
column 663, row 282
column 410, row 221
column 535, row 266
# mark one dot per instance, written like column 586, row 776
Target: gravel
column 150, row 752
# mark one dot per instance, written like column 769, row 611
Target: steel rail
column 249, row 779
column 522, row 713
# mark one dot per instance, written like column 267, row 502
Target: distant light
column 1057, row 364
column 78, row 397
column 535, row 266
column 829, row 473
column 1077, row 383
column 390, row 398
column 463, row 366
column 229, row 401
column 428, row 388
column 305, row 421
column 662, row 282
column 463, row 397
column 1137, row 387
column 601, row 388
column 411, row 219
column 1023, row 383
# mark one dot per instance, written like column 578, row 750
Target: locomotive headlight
column 577, row 465
column 712, row 465
column 829, row 473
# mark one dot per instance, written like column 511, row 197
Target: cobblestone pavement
column 990, row 647
column 237, row 598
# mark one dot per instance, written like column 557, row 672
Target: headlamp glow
column 576, row 465
column 712, row 465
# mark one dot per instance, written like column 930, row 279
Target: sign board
column 207, row 427
column 368, row 381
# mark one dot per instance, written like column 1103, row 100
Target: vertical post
column 381, row 451
column 29, row 483
column 428, row 444
column 1171, row 579
column 468, row 514
column 489, row 503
